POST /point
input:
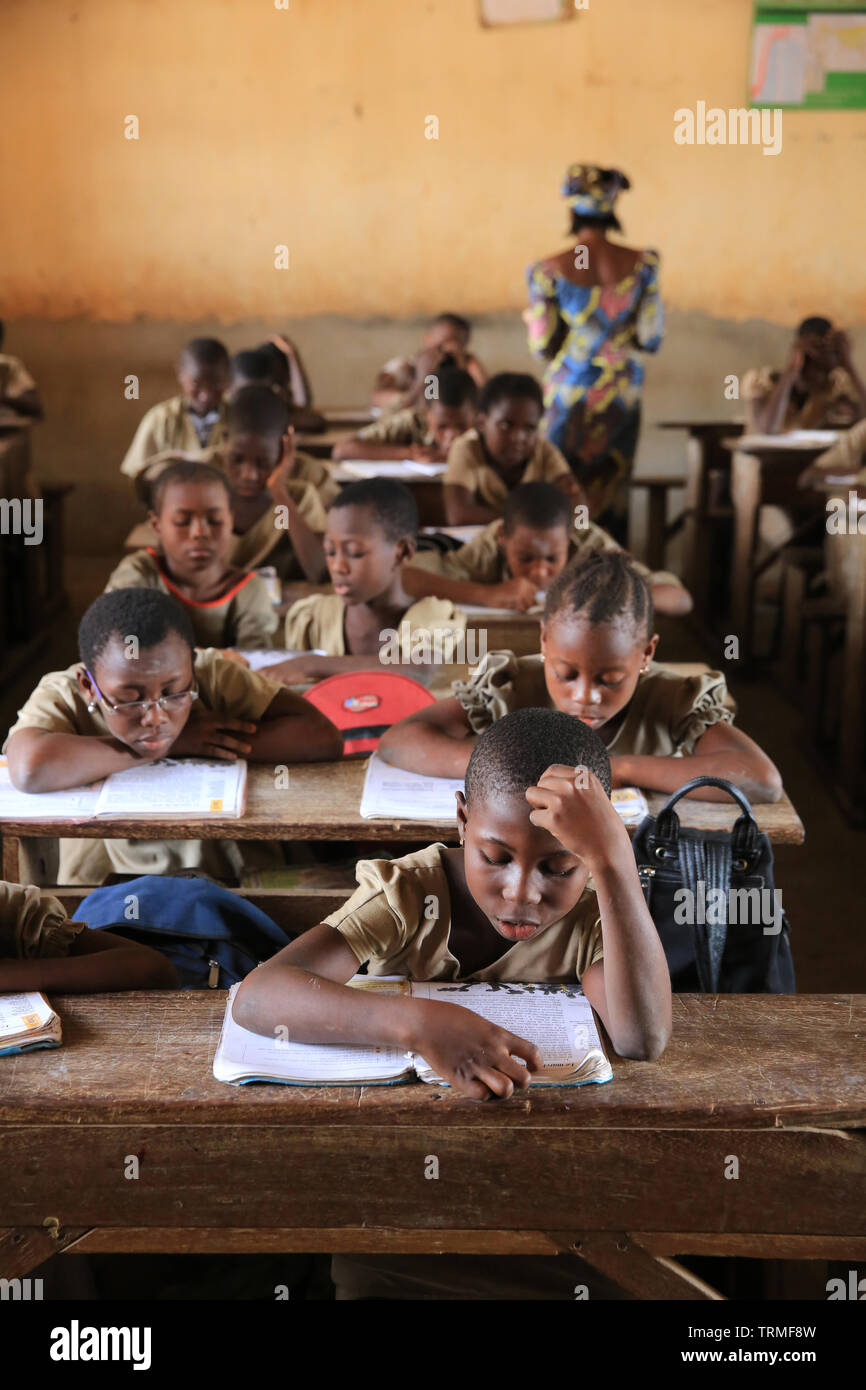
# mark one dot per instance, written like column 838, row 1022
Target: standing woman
column 590, row 308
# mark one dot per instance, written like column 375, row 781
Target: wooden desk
column 706, row 486
column 428, row 494
column 320, row 445
column 347, row 417
column 628, row 1174
column 763, row 473
column 656, row 487
column 322, row 802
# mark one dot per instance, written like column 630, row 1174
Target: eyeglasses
column 136, row 709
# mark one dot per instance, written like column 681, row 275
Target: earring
column 91, row 707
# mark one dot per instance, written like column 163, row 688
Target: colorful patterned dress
column 592, row 382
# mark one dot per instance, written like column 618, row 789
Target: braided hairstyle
column 603, row 587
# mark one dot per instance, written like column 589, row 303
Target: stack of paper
column 27, row 1022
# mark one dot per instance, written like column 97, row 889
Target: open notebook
column 392, row 794
column 404, row 470
column 557, row 1018
column 272, row 656
column 166, row 789
column 27, row 1022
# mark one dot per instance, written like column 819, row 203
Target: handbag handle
column 745, row 832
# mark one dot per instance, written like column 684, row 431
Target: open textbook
column 557, row 1018
column 168, row 788
column 27, row 1021
column 392, row 794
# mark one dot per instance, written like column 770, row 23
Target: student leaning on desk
column 140, row 692
column 514, row 903
column 596, row 664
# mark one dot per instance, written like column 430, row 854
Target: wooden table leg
column 656, row 522
column 746, row 498
column 22, row 1248
column 853, row 718
column 11, row 845
column 640, row 1272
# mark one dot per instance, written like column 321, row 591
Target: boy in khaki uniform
column 512, row 563
column 424, row 433
column 192, row 520
column 112, row 711
column 19, row 397
column 513, row 903
column 503, row 450
column 192, row 421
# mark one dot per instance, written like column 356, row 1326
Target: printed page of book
column 170, row 787
column 630, row 804
column 397, row 795
column 243, row 1056
column 557, row 1018
column 27, row 1020
column 73, row 803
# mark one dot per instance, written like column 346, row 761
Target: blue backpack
column 212, row 937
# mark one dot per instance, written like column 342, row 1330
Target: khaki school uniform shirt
column 59, row 706
column 385, row 923
column 244, row 617
column 836, row 407
column 665, row 717
column 32, row 926
column 482, row 560
column 15, row 380
column 317, row 623
column 468, row 467
column 401, row 427
column 847, row 455
column 167, row 427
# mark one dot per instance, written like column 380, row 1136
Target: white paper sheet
column 404, row 470
column 794, row 439
column 393, row 794
column 260, row 661
column 74, row 803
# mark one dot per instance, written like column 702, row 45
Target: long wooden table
column 322, row 802
column 629, row 1174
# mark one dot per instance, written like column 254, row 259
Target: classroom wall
column 306, row 127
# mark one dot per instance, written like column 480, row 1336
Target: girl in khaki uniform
column 596, row 663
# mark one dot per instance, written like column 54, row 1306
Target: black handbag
column 712, row 898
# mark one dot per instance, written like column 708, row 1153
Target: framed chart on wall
column 809, row 54
column 497, row 12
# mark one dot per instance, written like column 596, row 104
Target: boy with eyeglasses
column 142, row 691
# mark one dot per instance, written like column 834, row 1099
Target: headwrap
column 592, row 191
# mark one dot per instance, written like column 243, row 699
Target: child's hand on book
column 519, row 594
column 573, row 806
column 209, row 735
column 476, row 1057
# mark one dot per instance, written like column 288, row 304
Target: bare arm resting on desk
column 98, row 962
column 303, row 988
column 436, row 741
column 722, row 751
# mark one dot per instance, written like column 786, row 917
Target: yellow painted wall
column 260, row 126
